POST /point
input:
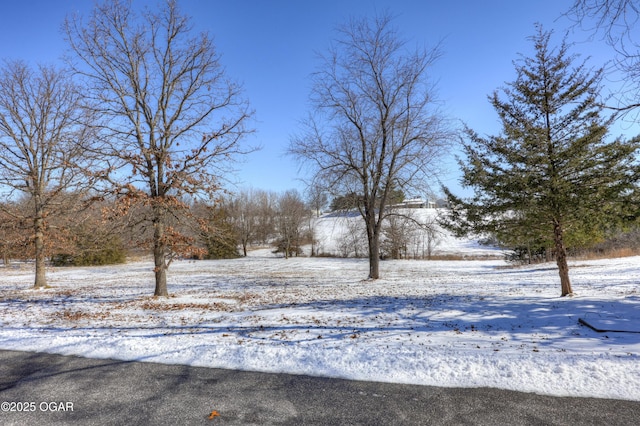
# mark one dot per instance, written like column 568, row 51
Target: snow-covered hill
column 343, row 234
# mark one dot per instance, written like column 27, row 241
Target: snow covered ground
column 443, row 323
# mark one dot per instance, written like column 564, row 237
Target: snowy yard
column 442, row 323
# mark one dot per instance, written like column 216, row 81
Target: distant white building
column 416, row 203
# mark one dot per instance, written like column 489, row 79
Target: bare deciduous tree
column 42, row 151
column 244, row 211
column 375, row 127
column 291, row 215
column 266, row 203
column 317, row 198
column 172, row 119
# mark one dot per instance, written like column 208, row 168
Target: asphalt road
column 39, row 389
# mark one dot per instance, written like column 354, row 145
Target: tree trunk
column 287, row 247
column 374, row 258
column 38, row 224
column 373, row 238
column 561, row 259
column 159, row 248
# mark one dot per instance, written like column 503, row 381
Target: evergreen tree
column 220, row 237
column 551, row 176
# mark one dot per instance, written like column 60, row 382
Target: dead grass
column 166, row 307
column 70, row 315
column 608, row 254
column 587, row 255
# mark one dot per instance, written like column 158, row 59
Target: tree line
column 94, row 232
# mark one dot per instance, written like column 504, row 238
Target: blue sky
column 270, row 47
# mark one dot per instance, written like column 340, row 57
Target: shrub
column 222, row 248
column 91, row 252
column 524, row 255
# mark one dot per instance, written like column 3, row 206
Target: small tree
column 243, row 210
column 291, row 216
column 550, row 175
column 219, row 233
column 396, row 233
column 317, row 198
column 374, row 127
column 172, row 119
column 352, row 242
column 266, row 203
